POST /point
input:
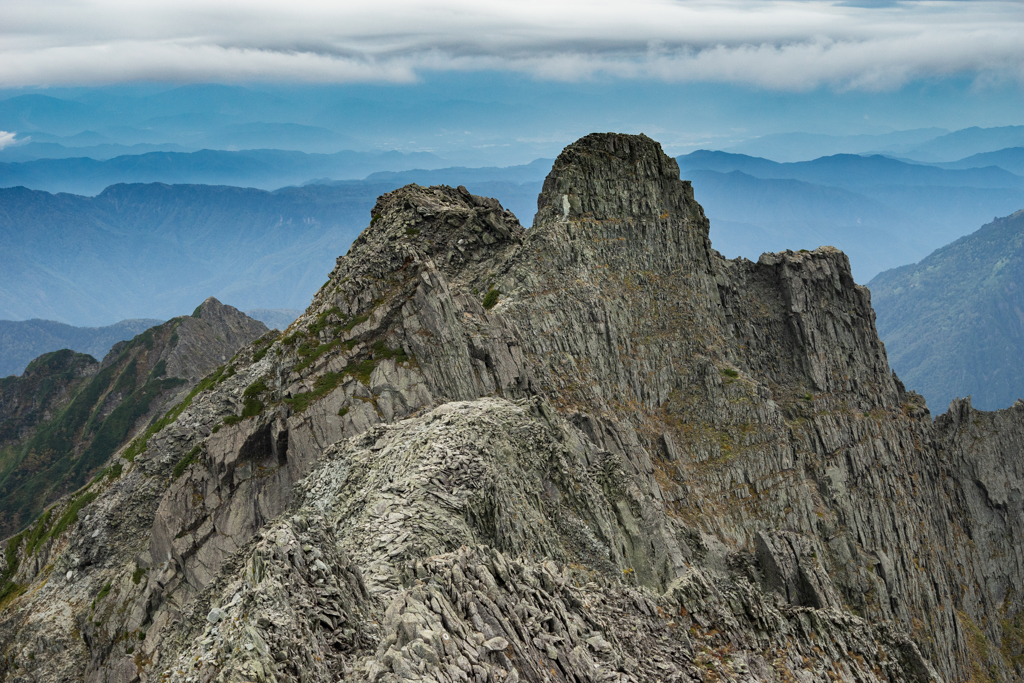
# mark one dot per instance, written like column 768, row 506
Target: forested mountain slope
column 67, row 414
column 953, row 324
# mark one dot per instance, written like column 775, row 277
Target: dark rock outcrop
column 590, row 451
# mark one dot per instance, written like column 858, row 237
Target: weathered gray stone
column 643, row 462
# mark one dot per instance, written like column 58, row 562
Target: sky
column 779, row 45
column 691, row 71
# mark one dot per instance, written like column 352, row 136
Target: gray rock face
column 590, row 451
column 208, row 338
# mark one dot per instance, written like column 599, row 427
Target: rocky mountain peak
column 591, row 451
column 610, row 175
column 208, row 338
column 63, row 419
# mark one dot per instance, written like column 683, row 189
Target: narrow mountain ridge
column 591, row 451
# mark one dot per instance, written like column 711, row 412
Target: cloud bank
column 775, row 44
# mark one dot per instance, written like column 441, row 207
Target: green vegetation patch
column 253, row 405
column 325, row 384
column 144, row 339
column 310, row 354
column 183, row 464
column 46, row 463
column 262, row 347
column 382, row 351
column 159, row 370
column 361, row 370
column 70, row 515
column 255, row 389
column 729, row 372
column 140, row 444
column 118, row 425
column 491, row 298
column 38, row 533
column 321, row 320
column 1012, row 645
column 358, row 320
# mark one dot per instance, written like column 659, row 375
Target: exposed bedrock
column 591, row 451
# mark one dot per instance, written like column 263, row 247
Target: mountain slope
column 65, row 417
column 953, row 324
column 23, row 340
column 591, row 451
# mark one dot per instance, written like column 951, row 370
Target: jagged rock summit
column 590, row 451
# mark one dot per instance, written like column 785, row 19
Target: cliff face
column 590, row 451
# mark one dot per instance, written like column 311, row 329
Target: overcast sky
column 786, row 46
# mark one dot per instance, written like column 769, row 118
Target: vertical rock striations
column 591, row 451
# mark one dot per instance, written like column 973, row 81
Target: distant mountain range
column 953, row 324
column 803, row 146
column 53, row 150
column 145, row 250
column 851, row 170
column 516, row 187
column 262, row 168
column 148, row 250
column 881, row 211
column 1011, row 159
column 21, row 341
column 314, row 120
column 929, row 145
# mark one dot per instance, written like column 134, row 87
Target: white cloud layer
column 777, row 44
column 6, row 138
